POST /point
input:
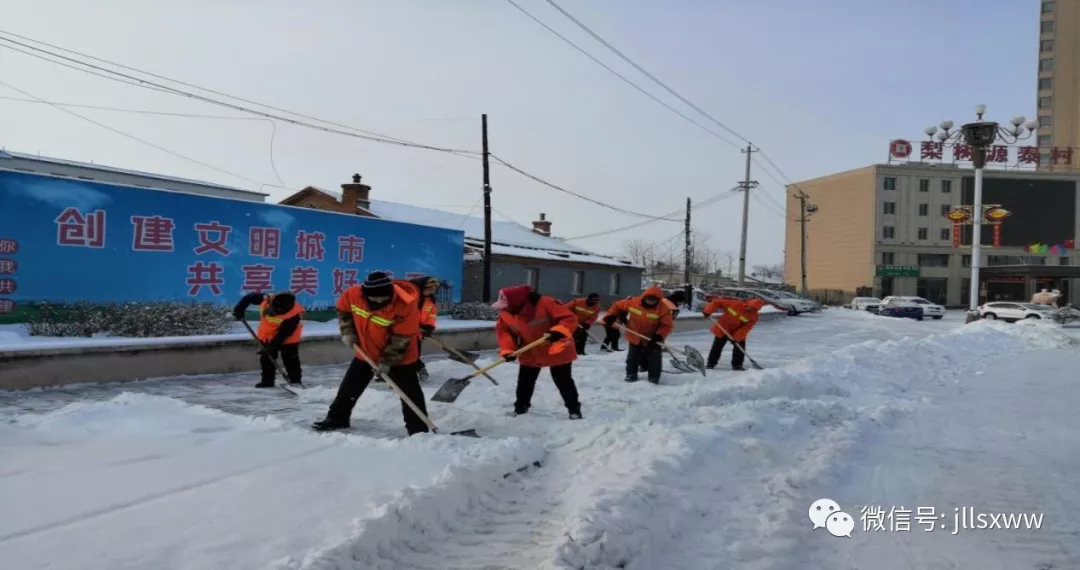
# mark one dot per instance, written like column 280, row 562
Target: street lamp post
column 979, row 135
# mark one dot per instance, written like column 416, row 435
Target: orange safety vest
column 513, row 333
column 375, row 328
column 428, row 312
column 269, row 324
column 643, row 320
column 585, row 314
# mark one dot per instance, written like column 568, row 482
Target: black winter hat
column 593, row 298
column 282, row 303
column 378, row 284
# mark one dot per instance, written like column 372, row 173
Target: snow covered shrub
column 469, row 311
column 139, row 320
column 169, row 318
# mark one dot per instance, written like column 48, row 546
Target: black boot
column 265, row 384
column 631, row 378
column 654, row 380
column 575, row 415
column 330, row 424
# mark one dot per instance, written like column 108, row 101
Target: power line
column 133, row 137
column 647, row 74
column 622, row 77
column 373, row 137
column 700, row 205
column 575, row 194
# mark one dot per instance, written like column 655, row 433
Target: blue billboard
column 75, row 240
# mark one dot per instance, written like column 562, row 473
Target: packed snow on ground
column 699, row 472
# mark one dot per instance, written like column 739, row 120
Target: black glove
column 241, row 308
column 609, row 321
column 426, row 330
column 624, row 319
column 509, row 357
column 656, row 341
column 555, row 336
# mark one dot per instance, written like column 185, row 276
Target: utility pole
column 804, row 212
column 689, row 259
column 746, row 185
column 486, row 290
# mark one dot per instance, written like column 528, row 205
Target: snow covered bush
column 473, row 311
column 136, row 320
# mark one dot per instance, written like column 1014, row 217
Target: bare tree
column 769, row 271
column 640, row 251
column 727, row 263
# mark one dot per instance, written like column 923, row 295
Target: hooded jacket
column 646, row 321
column 428, row 311
column 585, row 314
column 736, row 317
column 527, row 318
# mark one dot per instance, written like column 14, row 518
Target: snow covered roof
column 7, row 154
column 507, row 238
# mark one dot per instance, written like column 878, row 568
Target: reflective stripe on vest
column 373, row 318
column 584, row 310
column 642, row 314
column 735, row 313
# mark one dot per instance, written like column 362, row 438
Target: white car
column 802, row 304
column 866, row 304
column 931, row 310
column 1015, row 311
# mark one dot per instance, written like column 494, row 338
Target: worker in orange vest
column 587, row 310
column 648, row 316
column 382, row 318
column 736, row 318
column 524, row 318
column 280, row 326
column 428, row 286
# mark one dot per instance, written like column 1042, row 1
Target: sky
column 820, row 87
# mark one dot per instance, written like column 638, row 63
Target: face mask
column 650, row 301
column 378, row 302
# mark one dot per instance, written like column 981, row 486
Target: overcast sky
column 820, row 86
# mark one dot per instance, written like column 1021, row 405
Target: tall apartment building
column 1058, row 97
column 884, row 227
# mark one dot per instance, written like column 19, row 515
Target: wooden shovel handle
column 458, row 353
column 502, row 360
column 397, row 390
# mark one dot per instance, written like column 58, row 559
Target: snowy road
column 713, row 472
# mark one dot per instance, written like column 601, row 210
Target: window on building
column 886, row 287
column 615, row 284
column 933, row 289
column 1044, row 158
column 1044, row 102
column 579, row 283
column 924, row 233
column 946, row 234
column 888, row 258
column 1046, row 45
column 933, row 260
column 924, row 209
column 944, row 209
column 1046, row 64
column 1044, row 121
column 890, row 183
column 1048, row 26
column 888, row 232
column 1047, row 7
column 1046, row 83
column 924, row 185
column 965, row 261
column 532, row 277
column 1045, row 140
column 890, row 207
column 1063, row 261
column 946, row 186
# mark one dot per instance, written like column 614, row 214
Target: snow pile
column 143, row 481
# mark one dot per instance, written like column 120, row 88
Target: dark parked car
column 897, row 307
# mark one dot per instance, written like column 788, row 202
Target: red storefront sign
column 997, row 235
column 956, row 235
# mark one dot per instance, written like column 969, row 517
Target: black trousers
column 643, row 356
column 290, row 357
column 737, row 356
column 564, row 381
column 611, row 337
column 356, row 380
column 581, row 338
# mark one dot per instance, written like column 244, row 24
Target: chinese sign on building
column 993, row 215
column 1001, row 155
column 67, row 240
column 898, row 271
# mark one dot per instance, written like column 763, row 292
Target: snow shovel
column 454, row 386
column 694, row 361
column 463, row 358
column 753, row 362
column 405, row 398
column 603, row 346
column 277, row 364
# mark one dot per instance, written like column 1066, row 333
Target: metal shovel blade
column 450, row 390
column 680, row 366
column 466, row 433
column 694, row 359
